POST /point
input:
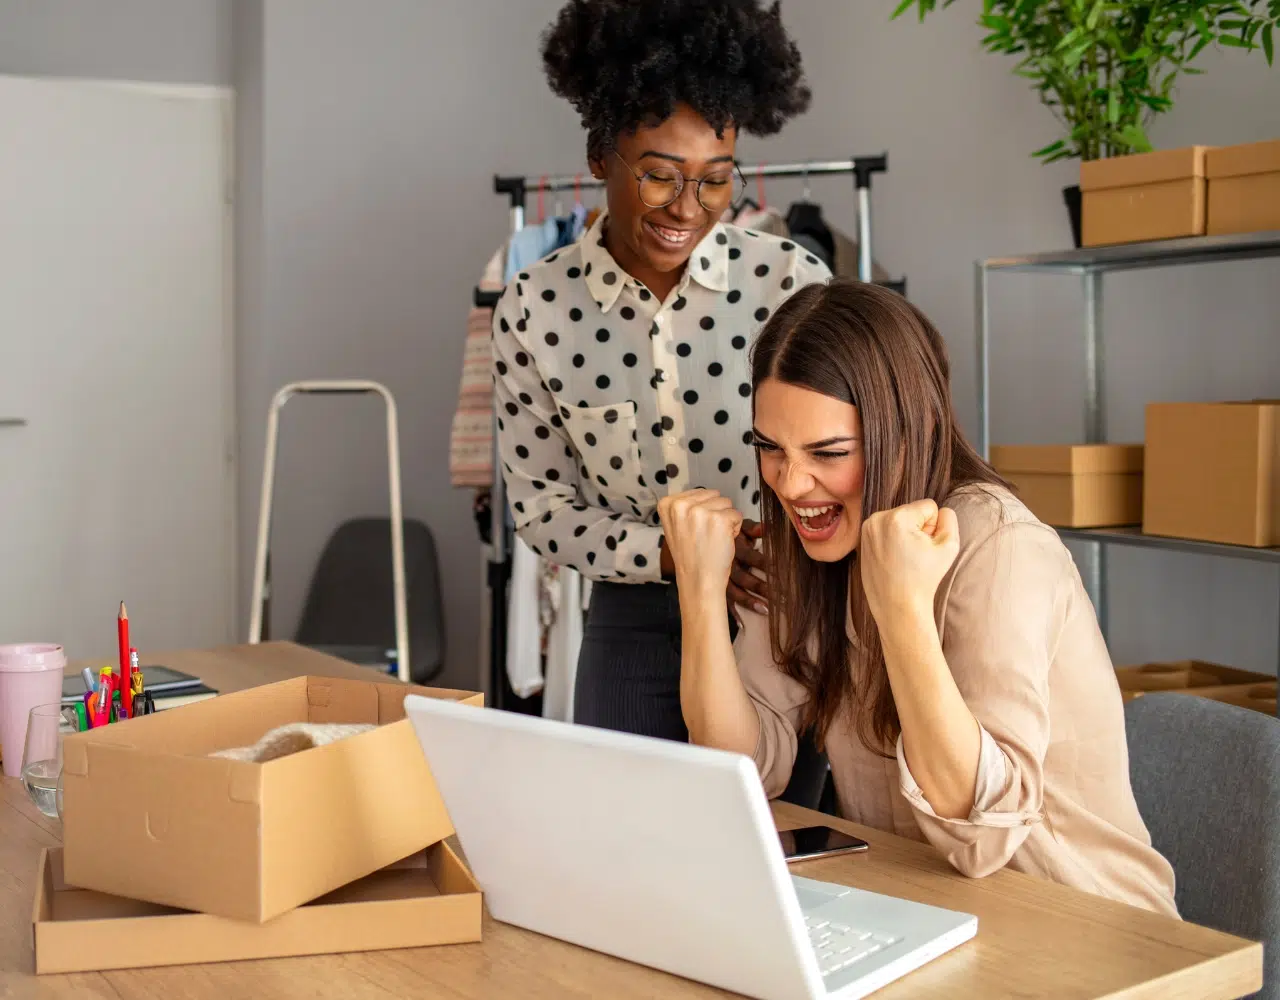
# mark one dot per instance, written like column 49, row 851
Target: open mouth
column 818, row 523
column 670, row 238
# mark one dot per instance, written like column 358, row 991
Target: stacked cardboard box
column 172, row 856
column 1075, row 486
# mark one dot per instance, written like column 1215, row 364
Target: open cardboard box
column 148, row 815
column 1184, row 675
column 429, row 899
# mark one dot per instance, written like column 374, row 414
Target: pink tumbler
column 30, row 675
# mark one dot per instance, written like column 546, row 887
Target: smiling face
column 653, row 242
column 811, row 457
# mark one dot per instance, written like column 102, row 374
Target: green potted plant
column 1105, row 68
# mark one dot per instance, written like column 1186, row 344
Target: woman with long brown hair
column 930, row 629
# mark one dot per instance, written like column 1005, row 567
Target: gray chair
column 1206, row 777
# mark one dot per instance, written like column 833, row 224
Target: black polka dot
column 706, row 322
column 548, row 295
column 661, row 477
column 739, row 342
column 590, row 439
column 552, row 547
column 645, row 296
column 502, row 367
column 733, row 296
column 553, row 474
column 746, row 480
column 602, row 481
column 521, row 325
column 556, row 421
column 641, row 561
column 568, row 452
column 722, row 239
column 755, row 497
column 734, row 253
column 653, row 331
column 520, row 287
column 542, row 432
column 611, row 544
column 622, row 537
column 679, row 303
column 762, row 314
column 744, row 390
column 610, row 278
column 615, row 463
column 555, row 385
column 575, row 314
column 591, row 558
column 519, row 507
column 610, row 416
column 752, row 233
column 501, row 425
column 788, row 245
column 722, row 417
column 640, row 480
column 522, row 451
column 673, row 470
column 626, row 312
column 684, row 350
column 582, row 403
column 748, row 438
column 657, row 430
column 602, row 335
column 522, row 359
column 667, row 423
column 587, row 270
column 788, row 283
column 706, row 264
column 513, row 409
column 504, row 326
column 574, row 272
column 695, row 445
column 811, row 258
column 579, row 360
column 629, row 360
column 690, row 397
column 762, row 270
column 526, row 399
column 585, row 473
column 726, row 464
column 552, row 339
column 536, row 551
column 579, row 531
column 715, row 369
column 539, row 484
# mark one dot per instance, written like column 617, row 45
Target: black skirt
column 629, row 665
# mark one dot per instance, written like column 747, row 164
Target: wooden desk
column 1034, row 938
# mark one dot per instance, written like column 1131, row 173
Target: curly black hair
column 624, row 64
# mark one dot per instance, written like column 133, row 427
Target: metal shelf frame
column 1090, row 264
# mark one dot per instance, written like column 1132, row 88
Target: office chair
column 348, row 612
column 810, row 785
column 1206, row 777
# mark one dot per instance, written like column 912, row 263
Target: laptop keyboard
column 839, row 946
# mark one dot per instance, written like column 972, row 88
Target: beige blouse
column 1022, row 641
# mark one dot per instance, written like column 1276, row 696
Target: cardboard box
column 1075, row 486
column 1147, row 196
column 1258, row 697
column 1183, row 675
column 243, row 840
column 1244, row 188
column 1211, row 472
column 429, row 899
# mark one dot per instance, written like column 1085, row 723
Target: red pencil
column 122, row 631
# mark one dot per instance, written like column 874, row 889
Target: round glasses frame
column 737, row 184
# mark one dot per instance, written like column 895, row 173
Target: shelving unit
column 1090, row 264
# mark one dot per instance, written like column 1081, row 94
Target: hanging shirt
column 609, row 399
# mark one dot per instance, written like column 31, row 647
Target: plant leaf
column 1268, row 48
column 902, row 8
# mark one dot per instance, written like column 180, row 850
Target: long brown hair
column 867, row 346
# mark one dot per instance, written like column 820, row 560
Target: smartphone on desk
column 811, row 842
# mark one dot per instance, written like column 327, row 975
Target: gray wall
column 367, row 137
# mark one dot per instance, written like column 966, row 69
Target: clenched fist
column 904, row 554
column 700, row 528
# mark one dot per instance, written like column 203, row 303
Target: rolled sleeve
column 540, row 469
column 778, row 699
column 997, row 636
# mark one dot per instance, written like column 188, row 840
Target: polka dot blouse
column 608, row 399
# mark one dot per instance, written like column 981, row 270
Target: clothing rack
column 517, row 189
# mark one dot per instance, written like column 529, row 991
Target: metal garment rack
column 517, row 190
column 1090, row 265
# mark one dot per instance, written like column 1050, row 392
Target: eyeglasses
column 663, row 185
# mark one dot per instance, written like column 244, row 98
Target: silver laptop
column 661, row 853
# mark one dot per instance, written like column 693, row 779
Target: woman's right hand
column 700, row 527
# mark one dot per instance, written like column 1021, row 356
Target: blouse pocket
column 609, row 455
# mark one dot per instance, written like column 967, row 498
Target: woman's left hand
column 904, row 554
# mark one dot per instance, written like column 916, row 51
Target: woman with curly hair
column 620, row 363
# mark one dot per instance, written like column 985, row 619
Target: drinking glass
column 42, row 756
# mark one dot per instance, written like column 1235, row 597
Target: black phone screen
column 817, row 842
